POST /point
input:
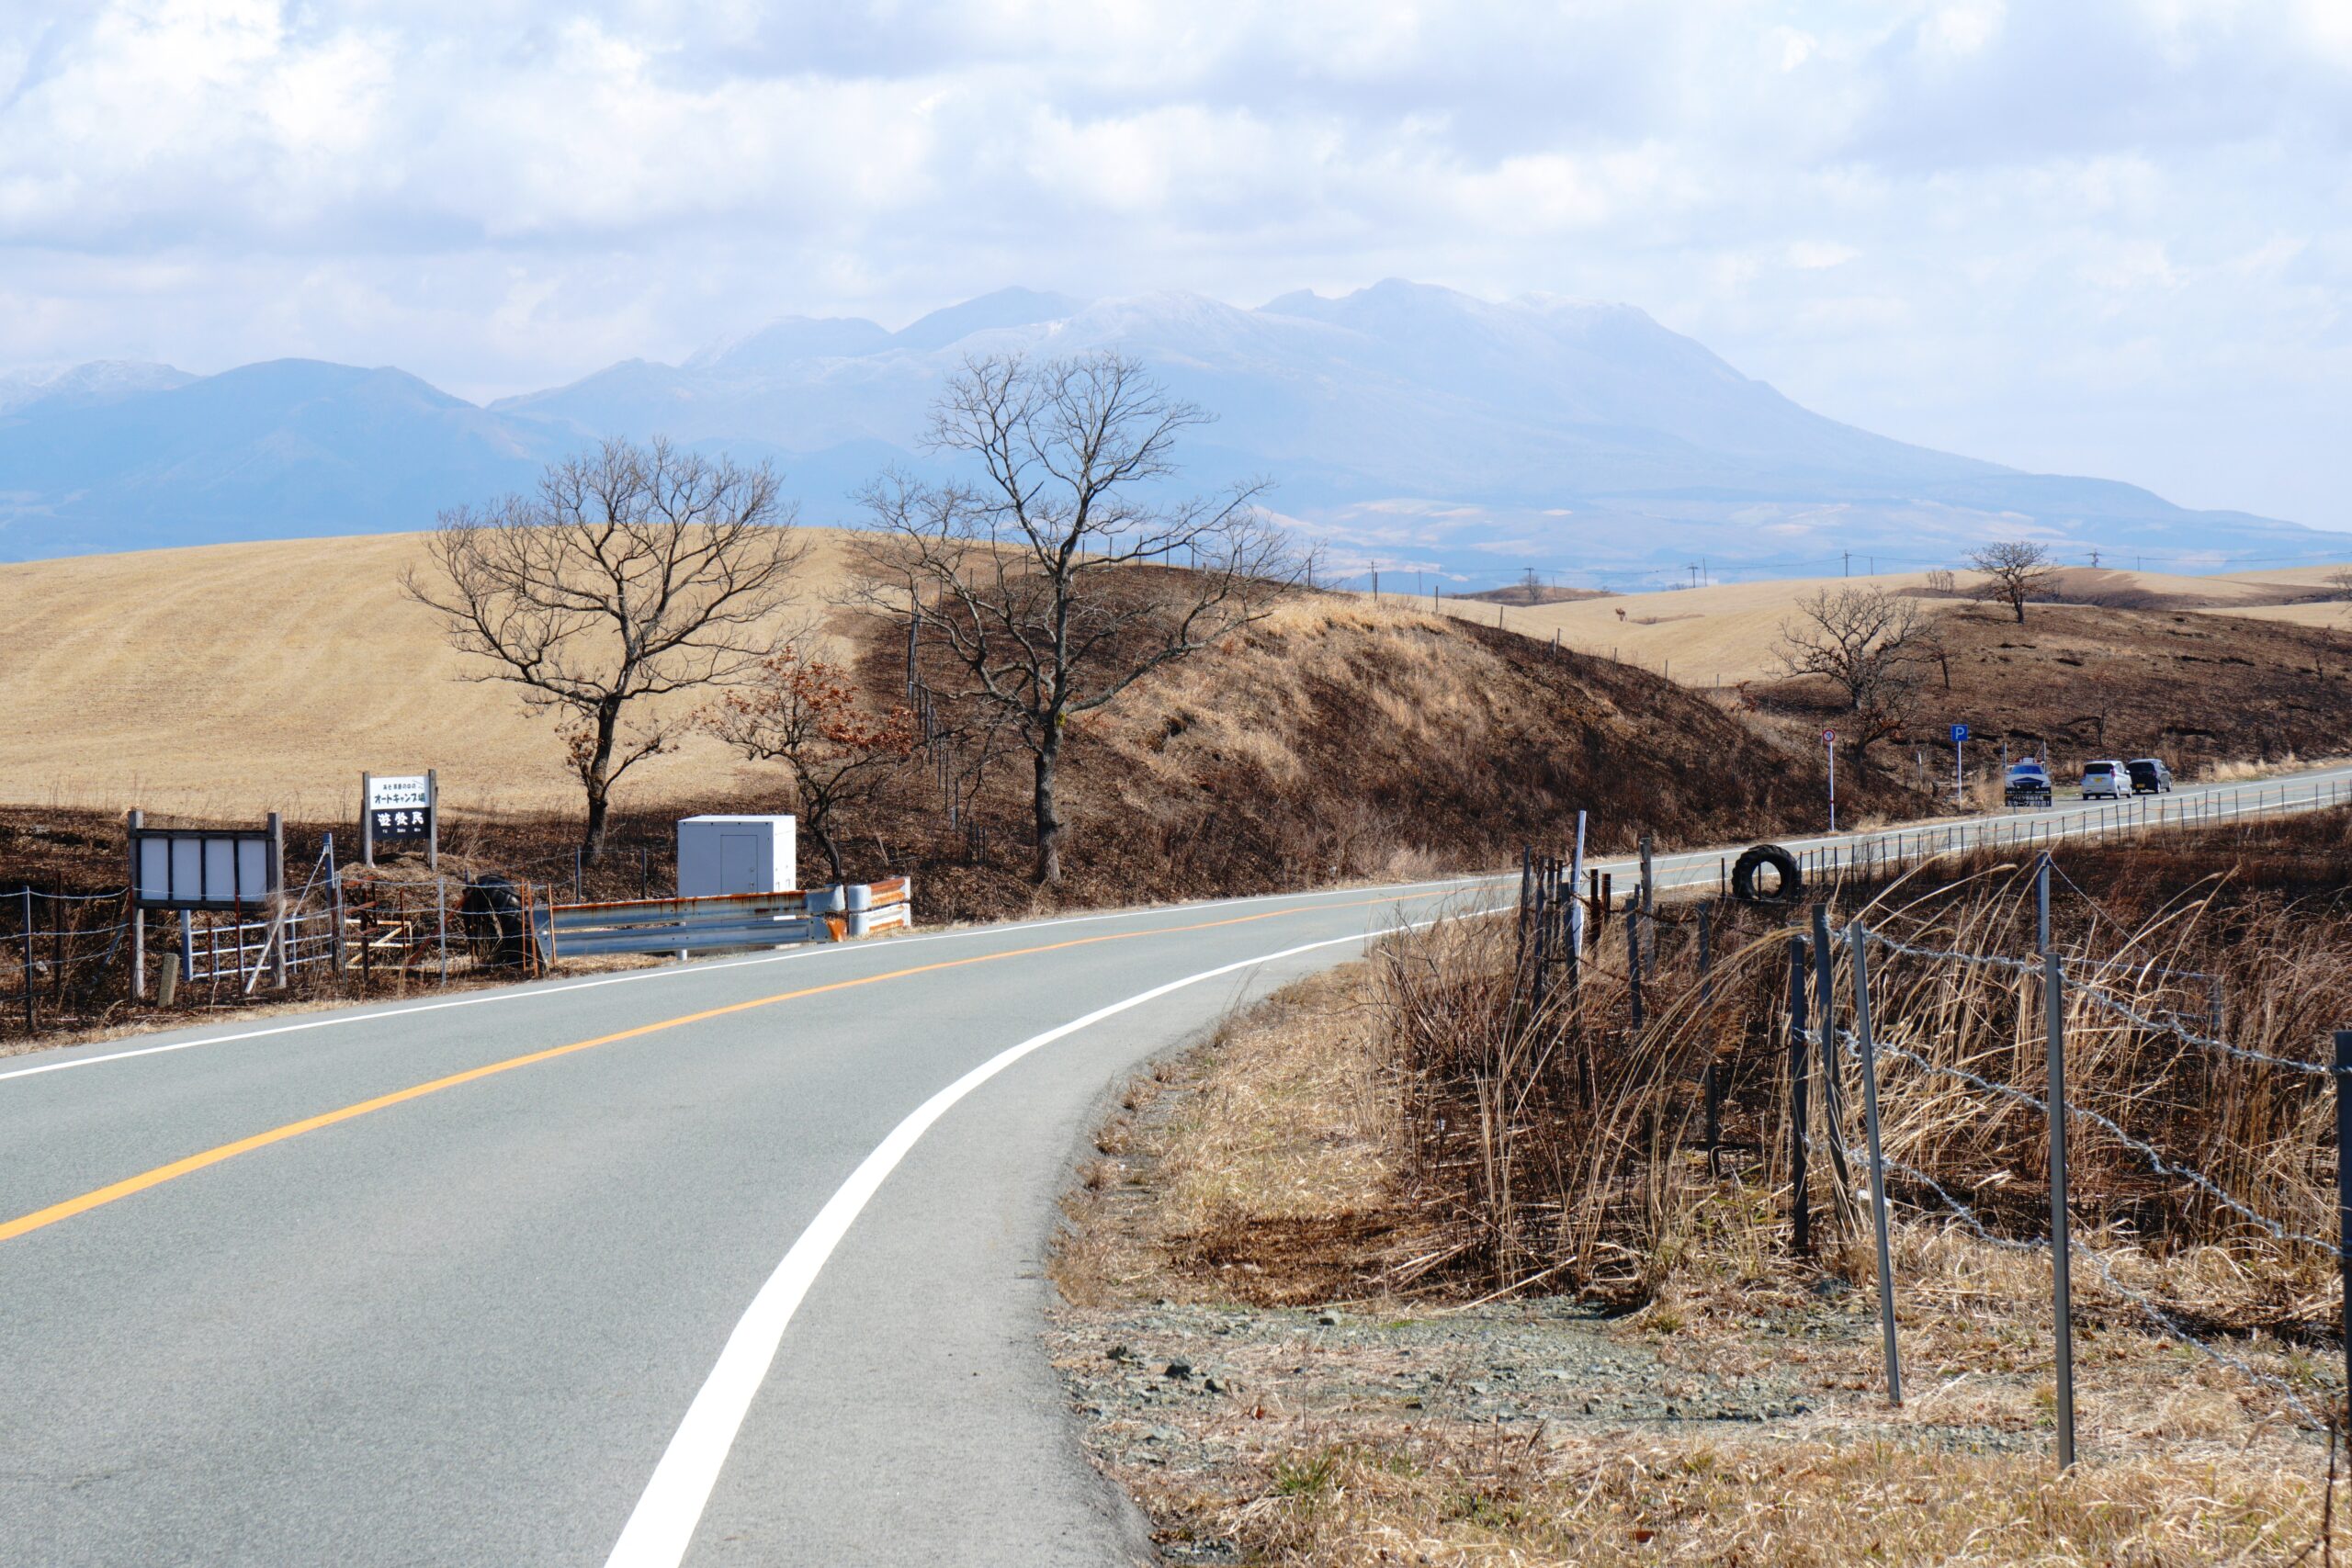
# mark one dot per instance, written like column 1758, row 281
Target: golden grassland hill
column 1728, row 633
column 1334, row 741
column 2074, row 683
column 229, row 679
column 1339, row 738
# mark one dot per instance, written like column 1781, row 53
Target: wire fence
column 1870, row 1046
column 65, row 958
column 1926, row 1077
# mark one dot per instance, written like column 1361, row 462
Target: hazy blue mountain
column 100, row 381
column 1408, row 424
column 276, row 450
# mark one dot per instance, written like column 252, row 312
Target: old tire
column 1744, row 870
column 492, row 913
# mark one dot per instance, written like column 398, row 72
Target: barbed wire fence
column 1864, row 1049
column 1835, row 1075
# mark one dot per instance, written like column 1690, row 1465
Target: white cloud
column 1939, row 218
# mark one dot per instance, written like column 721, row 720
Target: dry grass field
column 1704, row 636
column 232, row 679
column 224, row 679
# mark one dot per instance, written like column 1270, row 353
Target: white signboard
column 188, row 869
column 389, row 792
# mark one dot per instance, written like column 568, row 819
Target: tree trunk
column 824, row 838
column 1049, row 822
column 2018, row 604
column 596, row 780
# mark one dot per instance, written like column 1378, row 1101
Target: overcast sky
column 2093, row 236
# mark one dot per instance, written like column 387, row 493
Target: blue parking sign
column 1959, row 733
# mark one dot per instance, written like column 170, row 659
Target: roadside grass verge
column 1432, row 1301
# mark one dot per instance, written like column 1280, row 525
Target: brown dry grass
column 1727, row 633
column 1268, row 1155
column 228, row 679
column 1788, row 1503
column 1309, row 1110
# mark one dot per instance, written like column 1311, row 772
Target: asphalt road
column 738, row 1261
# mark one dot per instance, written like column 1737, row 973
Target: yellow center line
column 115, row 1191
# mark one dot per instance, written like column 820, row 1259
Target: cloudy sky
column 2092, row 236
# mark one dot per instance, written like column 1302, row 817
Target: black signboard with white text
column 398, row 808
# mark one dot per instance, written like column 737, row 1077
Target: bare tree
column 2015, row 570
column 1067, row 571
column 1870, row 644
column 839, row 751
column 633, row 574
column 2339, row 582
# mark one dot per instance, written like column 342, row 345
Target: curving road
column 737, row 1261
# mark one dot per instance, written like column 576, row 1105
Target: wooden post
column 1800, row 1209
column 131, row 824
column 1526, row 895
column 1649, row 903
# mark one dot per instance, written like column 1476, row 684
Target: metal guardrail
column 680, row 925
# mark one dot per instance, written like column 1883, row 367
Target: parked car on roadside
column 2027, row 784
column 2149, row 776
column 2105, row 781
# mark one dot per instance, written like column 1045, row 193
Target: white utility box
column 736, row 854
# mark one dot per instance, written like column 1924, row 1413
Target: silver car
column 2105, row 781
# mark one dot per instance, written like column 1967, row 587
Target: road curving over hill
column 737, row 1261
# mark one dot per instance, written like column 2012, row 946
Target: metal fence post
column 1713, row 1081
column 132, row 825
column 2042, row 903
column 1858, row 940
column 28, row 957
column 1575, row 909
column 1833, row 1098
column 2344, row 1189
column 1800, row 1208
column 1633, row 960
column 441, row 922
column 2053, row 999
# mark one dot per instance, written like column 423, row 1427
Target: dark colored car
column 2028, row 784
column 2149, row 776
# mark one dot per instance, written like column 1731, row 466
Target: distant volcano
column 1411, row 427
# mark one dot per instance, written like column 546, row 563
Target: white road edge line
column 662, row 1527
column 526, row 992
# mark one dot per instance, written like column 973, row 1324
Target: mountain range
column 1409, row 426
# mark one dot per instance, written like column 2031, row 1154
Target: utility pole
column 1849, row 563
